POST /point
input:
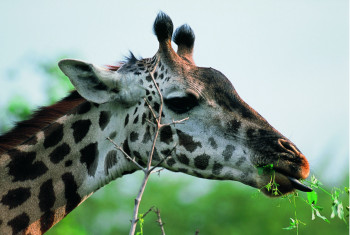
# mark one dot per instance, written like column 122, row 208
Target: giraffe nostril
column 286, row 145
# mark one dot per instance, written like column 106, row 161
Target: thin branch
column 126, row 155
column 174, row 122
column 157, row 171
column 159, row 220
column 150, row 122
column 158, row 164
column 150, row 107
column 149, row 210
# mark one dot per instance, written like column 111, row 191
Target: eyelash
column 181, row 104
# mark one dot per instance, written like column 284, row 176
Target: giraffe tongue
column 298, row 185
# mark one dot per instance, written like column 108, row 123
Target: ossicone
column 184, row 38
column 163, row 27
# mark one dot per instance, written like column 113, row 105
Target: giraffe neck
column 47, row 176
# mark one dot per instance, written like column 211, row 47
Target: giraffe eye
column 181, row 104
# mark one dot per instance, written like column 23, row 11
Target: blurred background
column 289, row 60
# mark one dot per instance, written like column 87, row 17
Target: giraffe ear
column 85, row 78
column 101, row 85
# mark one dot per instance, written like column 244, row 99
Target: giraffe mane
column 41, row 118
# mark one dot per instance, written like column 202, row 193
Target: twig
column 126, row 155
column 160, row 162
column 159, row 220
column 149, row 210
column 148, row 170
column 174, row 122
column 150, row 107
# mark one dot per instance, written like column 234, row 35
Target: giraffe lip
column 298, row 185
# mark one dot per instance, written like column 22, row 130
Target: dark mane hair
column 40, row 119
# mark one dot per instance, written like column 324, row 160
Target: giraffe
column 54, row 161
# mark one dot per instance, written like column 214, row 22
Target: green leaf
column 315, row 182
column 337, row 205
column 316, row 210
column 312, row 198
column 292, row 225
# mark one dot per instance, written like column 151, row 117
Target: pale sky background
column 289, row 60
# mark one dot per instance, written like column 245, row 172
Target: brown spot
column 19, row 223
column 187, row 141
column 16, row 197
column 134, row 136
column 147, row 135
column 201, row 161
column 217, row 168
column 47, row 221
column 227, row 153
column 166, row 135
column 212, row 143
column 53, row 135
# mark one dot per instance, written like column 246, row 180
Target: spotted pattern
column 234, row 125
column 53, row 135
column 227, row 153
column 80, row 129
column 183, row 159
column 70, row 191
column 16, row 197
column 23, row 167
column 68, row 163
column 47, row 196
column 170, row 162
column 240, row 161
column 166, row 135
column 19, row 223
column 144, row 116
column 110, row 160
column 212, row 143
column 134, row 136
column 113, row 135
column 126, row 121
column 147, row 135
column 187, row 141
column 88, row 156
column 58, row 154
column 217, row 167
column 104, row 119
column 201, row 161
column 136, row 119
column 46, row 221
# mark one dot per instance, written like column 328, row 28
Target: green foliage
column 16, row 110
column 312, row 198
column 141, row 223
column 59, row 84
column 189, row 204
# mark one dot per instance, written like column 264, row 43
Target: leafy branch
column 312, row 198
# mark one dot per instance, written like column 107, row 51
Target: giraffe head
column 224, row 138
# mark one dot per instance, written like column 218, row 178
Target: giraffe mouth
column 283, row 183
column 290, row 183
column 298, row 185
